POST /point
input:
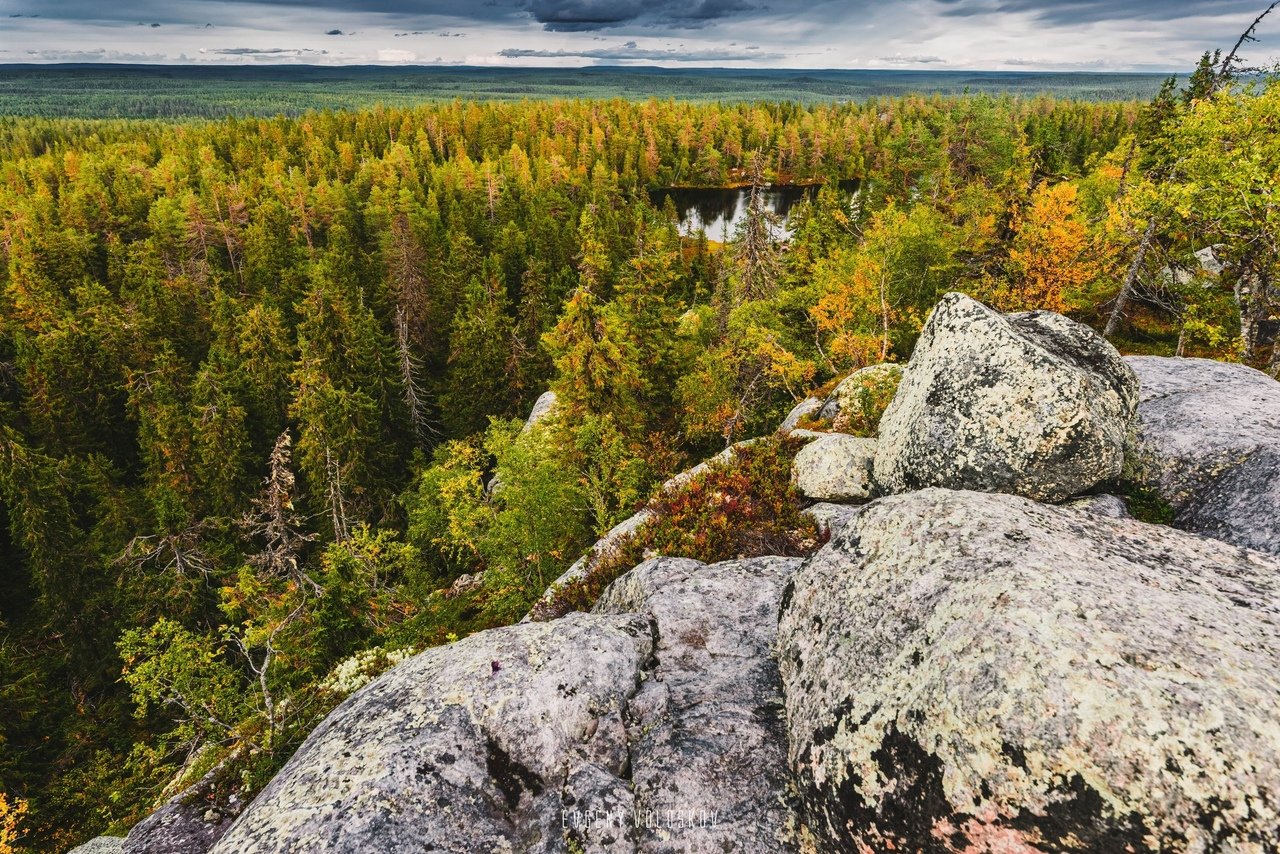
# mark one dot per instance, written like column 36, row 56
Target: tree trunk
column 1130, row 279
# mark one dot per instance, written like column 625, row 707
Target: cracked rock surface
column 1031, row 404
column 476, row 746
column 1209, row 443
column 707, row 731
column 652, row 725
column 981, row 673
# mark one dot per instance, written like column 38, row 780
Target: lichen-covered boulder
column 481, row 745
column 980, row 673
column 836, row 467
column 707, row 735
column 1209, row 444
column 858, row 402
column 1031, row 404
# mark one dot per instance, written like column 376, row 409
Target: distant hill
column 187, row 91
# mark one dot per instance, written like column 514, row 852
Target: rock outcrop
column 810, row 407
column 975, row 672
column 954, row 671
column 709, row 735
column 191, row 821
column 835, row 467
column 1031, row 404
column 651, row 725
column 543, row 408
column 1209, row 444
column 477, row 746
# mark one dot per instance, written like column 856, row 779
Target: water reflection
column 719, row 211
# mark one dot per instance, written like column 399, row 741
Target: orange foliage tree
column 1050, row 263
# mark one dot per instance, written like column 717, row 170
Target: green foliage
column 182, row 302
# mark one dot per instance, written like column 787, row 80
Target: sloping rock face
column 543, row 408
column 835, row 468
column 708, row 734
column 810, row 407
column 980, row 673
column 1209, row 443
column 478, row 746
column 190, row 822
column 651, row 725
column 1031, row 404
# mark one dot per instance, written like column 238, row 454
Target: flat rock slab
column 980, row 673
column 1209, row 443
column 708, row 739
column 481, row 745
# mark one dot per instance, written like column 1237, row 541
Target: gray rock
column 808, row 407
column 1031, row 404
column 976, row 672
column 807, row 434
column 843, row 398
column 191, row 821
column 543, row 408
column 835, row 468
column 1111, row 506
column 1209, row 444
column 832, row 518
column 482, row 745
column 707, row 735
column 101, row 845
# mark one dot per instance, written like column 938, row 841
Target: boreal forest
column 263, row 381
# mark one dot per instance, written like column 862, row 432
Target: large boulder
column 543, row 408
column 1209, row 444
column 482, row 745
column 708, row 738
column 1032, row 404
column 981, row 673
column 835, row 467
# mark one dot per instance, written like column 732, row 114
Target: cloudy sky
column 1105, row 35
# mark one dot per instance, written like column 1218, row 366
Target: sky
column 1070, row 35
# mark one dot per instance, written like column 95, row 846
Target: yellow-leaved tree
column 1050, row 262
column 11, row 815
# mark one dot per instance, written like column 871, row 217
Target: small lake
column 719, row 211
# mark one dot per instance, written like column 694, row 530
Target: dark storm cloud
column 630, row 52
column 576, row 15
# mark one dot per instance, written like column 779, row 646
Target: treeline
column 258, row 377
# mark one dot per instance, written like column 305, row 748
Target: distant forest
column 262, row 380
column 139, row 91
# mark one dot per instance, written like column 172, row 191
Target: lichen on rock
column 976, row 672
column 1030, row 404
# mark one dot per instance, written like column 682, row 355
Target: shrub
column 745, row 507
